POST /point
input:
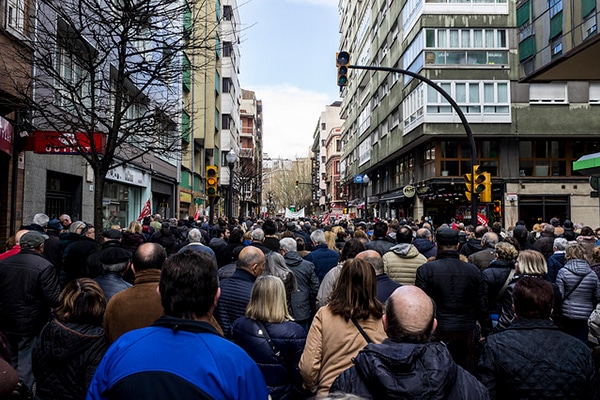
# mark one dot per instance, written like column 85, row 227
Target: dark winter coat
column 29, row 288
column 281, row 373
column 131, row 241
column 425, row 247
column 555, row 263
column 75, row 258
column 219, row 245
column 235, row 295
column 111, row 283
column 457, row 289
column 545, row 244
column 380, row 244
column 385, row 287
column 65, row 357
column 93, row 265
column 483, row 258
column 308, row 285
column 324, row 259
column 166, row 240
column 395, row 370
column 494, row 278
column 580, row 302
column 533, row 359
column 472, row 246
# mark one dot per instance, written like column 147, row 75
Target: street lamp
column 366, row 181
column 231, row 158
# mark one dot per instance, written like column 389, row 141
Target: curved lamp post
column 231, row 158
column 366, row 181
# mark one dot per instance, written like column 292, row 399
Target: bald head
column 373, row 258
column 251, row 259
column 410, row 315
column 19, row 234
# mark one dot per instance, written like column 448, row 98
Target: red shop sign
column 6, row 136
column 50, row 142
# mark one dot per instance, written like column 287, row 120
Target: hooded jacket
column 401, row 263
column 472, row 246
column 381, row 244
column 425, row 247
column 580, row 302
column 395, row 370
column 307, row 282
column 65, row 357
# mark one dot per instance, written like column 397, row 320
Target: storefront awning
column 398, row 195
column 588, row 164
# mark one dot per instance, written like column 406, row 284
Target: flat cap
column 114, row 255
column 32, row 240
column 447, row 237
column 112, row 234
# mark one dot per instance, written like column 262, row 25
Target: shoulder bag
column 361, row 330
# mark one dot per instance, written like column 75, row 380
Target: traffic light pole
column 455, row 106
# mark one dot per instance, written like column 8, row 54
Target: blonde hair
column 135, row 227
column 330, row 240
column 268, row 300
column 532, row 262
column 575, row 252
column 506, row 251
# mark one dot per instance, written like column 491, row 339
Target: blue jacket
column 281, row 373
column 324, row 259
column 235, row 295
column 176, row 358
column 555, row 262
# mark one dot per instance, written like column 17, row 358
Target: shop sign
column 185, row 197
column 6, row 136
column 50, row 142
column 409, row 191
column 127, row 175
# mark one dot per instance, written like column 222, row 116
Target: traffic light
column 297, row 183
column 486, row 194
column 498, row 208
column 345, row 211
column 342, row 62
column 212, row 180
column 474, row 183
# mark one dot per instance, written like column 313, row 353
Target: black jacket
column 235, row 295
column 458, row 291
column 532, row 359
column 93, row 264
column 28, row 289
column 65, row 357
column 281, row 373
column 494, row 278
column 472, row 246
column 425, row 247
column 395, row 370
column 308, row 285
column 381, row 244
column 75, row 258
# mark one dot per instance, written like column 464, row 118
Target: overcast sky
column 288, row 58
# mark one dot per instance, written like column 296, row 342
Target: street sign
column 358, row 178
column 594, row 182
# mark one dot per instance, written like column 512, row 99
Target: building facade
column 410, row 142
column 250, row 164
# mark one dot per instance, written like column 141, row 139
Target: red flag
column 146, row 211
column 481, row 219
column 326, row 219
column 197, row 216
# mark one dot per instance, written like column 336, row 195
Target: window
column 543, row 158
column 472, row 97
column 554, row 7
column 589, row 26
column 476, row 42
column 227, row 85
column 556, row 47
column 554, row 92
column 15, row 15
column 227, row 13
column 227, row 49
column 455, row 157
column 323, row 126
column 226, row 123
column 595, row 92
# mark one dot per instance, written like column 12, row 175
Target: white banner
column 294, row 214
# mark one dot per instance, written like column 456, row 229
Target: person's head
column 374, row 258
column 506, row 252
column 258, row 235
column 318, row 237
column 135, row 227
column 520, row 233
column 112, row 234
column 194, row 236
column 513, row 241
column 533, row 298
column 115, row 259
column 380, row 229
column 79, row 227
column 65, row 221
column 269, row 227
column 288, row 244
column 560, row 244
column 223, row 232
column 300, row 244
column 409, row 315
column 586, row 231
column 236, row 235
column 351, row 248
column 596, row 255
column 32, row 240
column 81, row 301
column 480, row 230
column 268, row 300
column 424, row 233
column 165, row 228
column 41, row 219
column 275, row 265
column 489, row 239
column 404, row 234
column 189, row 285
column 575, row 252
column 548, row 229
column 361, row 235
column 355, row 293
column 252, row 260
column 447, row 239
column 148, row 256
column 531, row 262
column 330, row 240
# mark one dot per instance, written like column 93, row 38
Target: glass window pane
column 488, row 92
column 454, row 38
column 430, row 38
column 465, row 38
column 461, row 93
column 432, row 95
column 477, row 57
column 447, row 87
column 478, row 38
column 465, row 149
column 501, row 38
column 502, row 93
column 541, row 149
column 489, row 38
column 525, row 149
column 449, row 149
column 456, row 57
column 441, row 42
column 473, row 93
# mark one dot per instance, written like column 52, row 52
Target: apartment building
column 411, row 144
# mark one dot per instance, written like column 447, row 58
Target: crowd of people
column 255, row 309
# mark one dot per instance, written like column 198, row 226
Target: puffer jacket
column 324, row 259
column 533, row 359
column 394, row 370
column 235, row 295
column 579, row 303
column 472, row 246
column 555, row 263
column 303, row 299
column 281, row 373
column 494, row 278
column 65, row 357
column 401, row 263
column 425, row 247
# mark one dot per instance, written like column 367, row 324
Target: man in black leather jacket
column 408, row 365
column 532, row 358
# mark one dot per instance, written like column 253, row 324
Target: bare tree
column 115, row 68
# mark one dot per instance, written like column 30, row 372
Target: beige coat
column 331, row 344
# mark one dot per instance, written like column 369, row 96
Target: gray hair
column 318, row 237
column 561, row 244
column 41, row 219
column 288, row 244
column 491, row 239
column 258, row 234
column 275, row 265
column 194, row 236
column 76, row 226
